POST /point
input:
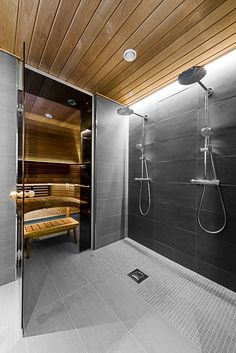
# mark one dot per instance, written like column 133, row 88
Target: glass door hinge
column 20, row 108
column 19, row 256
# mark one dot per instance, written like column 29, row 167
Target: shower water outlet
column 137, row 275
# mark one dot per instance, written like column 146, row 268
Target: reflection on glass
column 57, row 188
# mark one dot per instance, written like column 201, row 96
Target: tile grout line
column 73, row 324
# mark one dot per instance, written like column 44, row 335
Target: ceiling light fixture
column 72, row 102
column 48, row 116
column 130, row 55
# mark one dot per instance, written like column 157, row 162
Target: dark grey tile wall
column 111, row 173
column 173, row 142
column 8, row 101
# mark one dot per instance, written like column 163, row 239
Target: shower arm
column 209, row 91
column 141, row 116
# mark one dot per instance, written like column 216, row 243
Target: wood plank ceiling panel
column 175, row 25
column 82, row 41
column 162, row 20
column 183, row 42
column 8, row 23
column 98, row 21
column 86, row 57
column 26, row 20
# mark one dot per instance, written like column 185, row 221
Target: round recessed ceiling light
column 72, row 102
column 48, row 116
column 129, row 55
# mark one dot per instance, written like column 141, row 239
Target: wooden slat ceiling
column 82, row 41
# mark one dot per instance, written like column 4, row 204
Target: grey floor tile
column 16, row 342
column 127, row 305
column 34, row 261
column 9, row 303
column 53, row 253
column 39, row 290
column 96, row 324
column 4, row 336
column 156, row 334
column 90, row 266
column 127, row 345
column 66, row 275
column 56, row 342
column 52, row 318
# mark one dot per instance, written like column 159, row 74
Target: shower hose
column 208, row 149
column 221, row 201
column 144, row 169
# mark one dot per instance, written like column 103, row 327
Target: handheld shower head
column 194, row 75
column 139, row 147
column 206, row 131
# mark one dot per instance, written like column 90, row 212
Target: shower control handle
column 204, row 149
column 142, row 179
column 205, row 181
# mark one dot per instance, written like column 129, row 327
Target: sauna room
column 57, row 159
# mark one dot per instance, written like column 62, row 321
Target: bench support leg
column 75, row 236
column 27, row 247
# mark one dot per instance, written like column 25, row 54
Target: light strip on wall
column 226, row 60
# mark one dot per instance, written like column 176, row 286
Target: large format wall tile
column 175, row 255
column 175, row 215
column 176, row 194
column 177, row 149
column 179, row 126
column 216, row 252
column 111, row 172
column 141, row 229
column 8, row 133
column 176, row 238
column 176, row 171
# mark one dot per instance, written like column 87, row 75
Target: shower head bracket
column 209, row 91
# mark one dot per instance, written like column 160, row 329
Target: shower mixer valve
column 206, row 149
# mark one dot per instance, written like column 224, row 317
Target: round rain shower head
column 206, row 132
column 125, row 111
column 192, row 75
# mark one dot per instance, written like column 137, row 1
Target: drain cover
column 137, row 275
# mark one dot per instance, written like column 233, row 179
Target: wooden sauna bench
column 38, row 230
column 41, row 229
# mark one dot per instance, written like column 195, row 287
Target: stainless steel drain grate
column 137, row 275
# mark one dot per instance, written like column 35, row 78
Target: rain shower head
column 126, row 111
column 194, row 75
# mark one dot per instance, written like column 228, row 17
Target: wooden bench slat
column 45, row 228
column 37, row 230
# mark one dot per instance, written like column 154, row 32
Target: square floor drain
column 137, row 275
